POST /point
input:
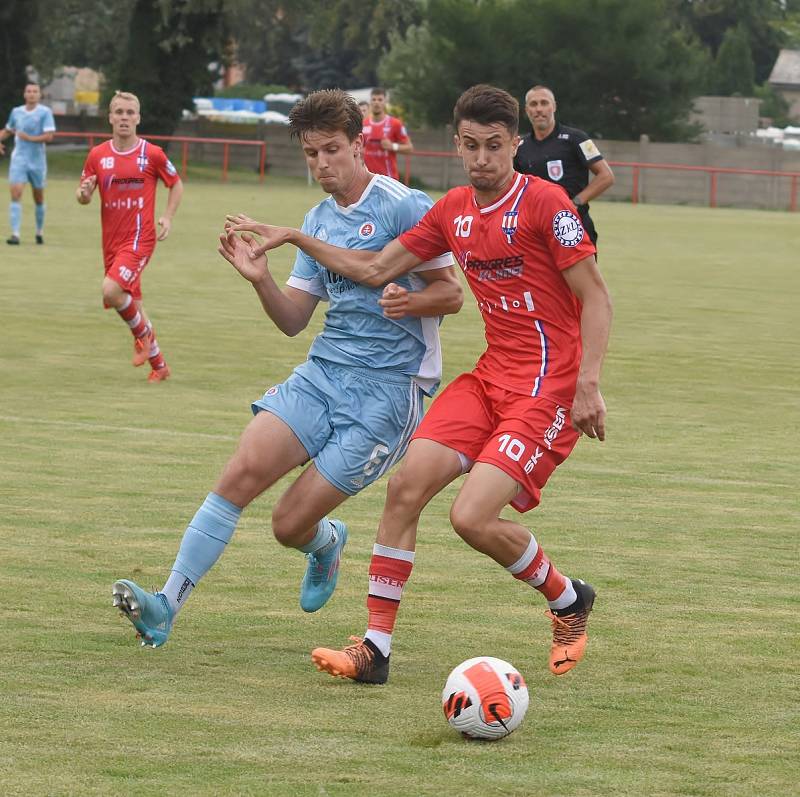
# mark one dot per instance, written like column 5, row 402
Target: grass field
column 685, row 520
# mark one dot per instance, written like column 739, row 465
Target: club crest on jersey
column 366, row 230
column 511, row 217
column 509, row 224
column 567, row 228
column 272, row 391
column 141, row 162
column 555, row 170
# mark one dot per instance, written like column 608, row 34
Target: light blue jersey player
column 32, row 126
column 351, row 408
column 383, row 366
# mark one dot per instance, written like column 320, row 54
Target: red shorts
column 125, row 267
column 524, row 436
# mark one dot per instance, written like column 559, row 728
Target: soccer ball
column 485, row 698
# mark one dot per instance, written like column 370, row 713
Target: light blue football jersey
column 36, row 122
column 356, row 333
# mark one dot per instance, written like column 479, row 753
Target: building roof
column 786, row 71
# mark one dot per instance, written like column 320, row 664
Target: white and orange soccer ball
column 485, row 698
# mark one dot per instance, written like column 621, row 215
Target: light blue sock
column 40, row 218
column 15, row 216
column 205, row 539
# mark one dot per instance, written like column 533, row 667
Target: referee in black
column 562, row 155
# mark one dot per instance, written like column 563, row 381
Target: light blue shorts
column 21, row 172
column 354, row 423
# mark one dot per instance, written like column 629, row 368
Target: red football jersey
column 512, row 253
column 377, row 159
column 127, row 184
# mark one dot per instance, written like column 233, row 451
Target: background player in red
column 517, row 415
column 126, row 171
column 384, row 137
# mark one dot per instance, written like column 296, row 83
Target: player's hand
column 589, row 412
column 164, row 227
column 86, row 188
column 239, row 253
column 394, row 301
column 272, row 237
column 2, row 148
column 22, row 135
column 386, row 144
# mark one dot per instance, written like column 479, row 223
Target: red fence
column 185, row 141
column 712, row 171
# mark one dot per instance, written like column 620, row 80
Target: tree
column 166, row 60
column 632, row 70
column 17, row 18
column 313, row 44
column 267, row 37
column 734, row 70
column 79, row 33
column 761, row 20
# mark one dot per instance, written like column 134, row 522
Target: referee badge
column 555, row 170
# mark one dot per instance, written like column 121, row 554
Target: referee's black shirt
column 562, row 158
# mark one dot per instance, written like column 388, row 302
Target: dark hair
column 487, row 105
column 330, row 110
column 377, row 90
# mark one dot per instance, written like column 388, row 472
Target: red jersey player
column 126, row 171
column 517, row 415
column 384, row 137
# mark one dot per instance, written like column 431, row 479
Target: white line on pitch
column 107, row 428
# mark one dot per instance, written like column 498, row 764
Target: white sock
column 177, row 589
column 325, row 537
column 381, row 640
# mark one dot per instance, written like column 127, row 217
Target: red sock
column 389, row 569
column 536, row 569
column 132, row 317
column 156, row 358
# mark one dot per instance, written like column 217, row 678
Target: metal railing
column 226, row 144
column 638, row 167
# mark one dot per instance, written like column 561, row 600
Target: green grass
column 685, row 520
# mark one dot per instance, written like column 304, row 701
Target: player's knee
column 284, row 525
column 403, row 494
column 242, row 479
column 113, row 295
column 467, row 522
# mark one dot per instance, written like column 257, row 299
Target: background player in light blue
column 32, row 126
column 352, row 406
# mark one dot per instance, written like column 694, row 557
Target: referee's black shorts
column 588, row 224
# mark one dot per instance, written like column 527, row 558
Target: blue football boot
column 149, row 612
column 322, row 572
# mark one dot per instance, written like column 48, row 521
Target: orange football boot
column 569, row 629
column 361, row 662
column 158, row 374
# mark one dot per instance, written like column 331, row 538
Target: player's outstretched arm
column 290, row 310
column 443, row 295
column 369, row 268
column 588, row 408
